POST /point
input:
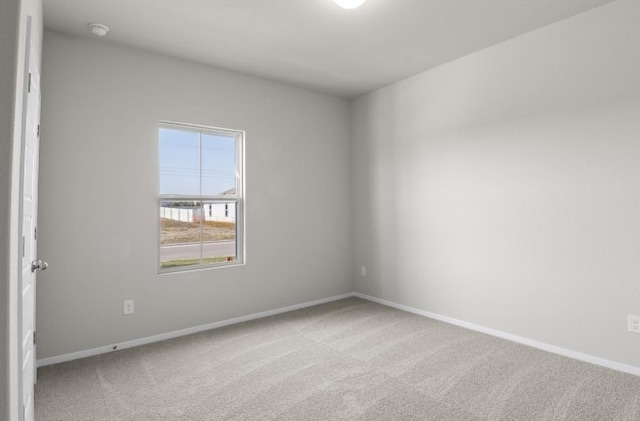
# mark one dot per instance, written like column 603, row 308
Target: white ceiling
column 313, row 43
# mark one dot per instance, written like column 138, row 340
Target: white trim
column 182, row 332
column 478, row 328
column 238, row 198
column 168, row 124
column 508, row 336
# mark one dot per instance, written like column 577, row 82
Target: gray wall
column 101, row 104
column 503, row 189
column 13, row 31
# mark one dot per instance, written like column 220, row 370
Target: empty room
column 320, row 210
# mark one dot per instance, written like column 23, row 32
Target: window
column 201, row 197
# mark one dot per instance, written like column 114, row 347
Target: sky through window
column 196, row 163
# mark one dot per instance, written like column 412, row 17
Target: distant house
column 213, row 211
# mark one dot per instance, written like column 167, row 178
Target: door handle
column 38, row 265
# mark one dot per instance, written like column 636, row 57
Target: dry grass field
column 175, row 232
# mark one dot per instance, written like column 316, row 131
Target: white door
column 29, row 209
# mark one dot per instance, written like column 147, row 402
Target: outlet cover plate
column 128, row 307
column 634, row 323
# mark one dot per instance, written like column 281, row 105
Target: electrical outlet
column 128, row 307
column 634, row 323
column 363, row 270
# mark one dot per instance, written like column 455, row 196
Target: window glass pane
column 218, row 164
column 179, row 162
column 196, row 231
column 180, row 234
column 219, row 232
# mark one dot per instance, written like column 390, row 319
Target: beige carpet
column 346, row 360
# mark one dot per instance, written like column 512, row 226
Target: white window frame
column 239, row 198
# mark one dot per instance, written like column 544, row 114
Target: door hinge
column 29, row 87
column 23, row 242
column 34, row 337
column 38, row 133
column 35, row 233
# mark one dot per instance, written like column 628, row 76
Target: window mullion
column 201, row 202
column 202, row 232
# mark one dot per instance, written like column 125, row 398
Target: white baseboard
column 182, row 332
column 508, row 336
column 188, row 331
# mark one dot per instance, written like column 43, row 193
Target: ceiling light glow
column 349, row 4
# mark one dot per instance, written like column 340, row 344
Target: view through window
column 200, row 205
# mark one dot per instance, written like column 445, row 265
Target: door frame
column 14, row 29
column 28, row 63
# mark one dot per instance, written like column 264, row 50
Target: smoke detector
column 98, row 29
